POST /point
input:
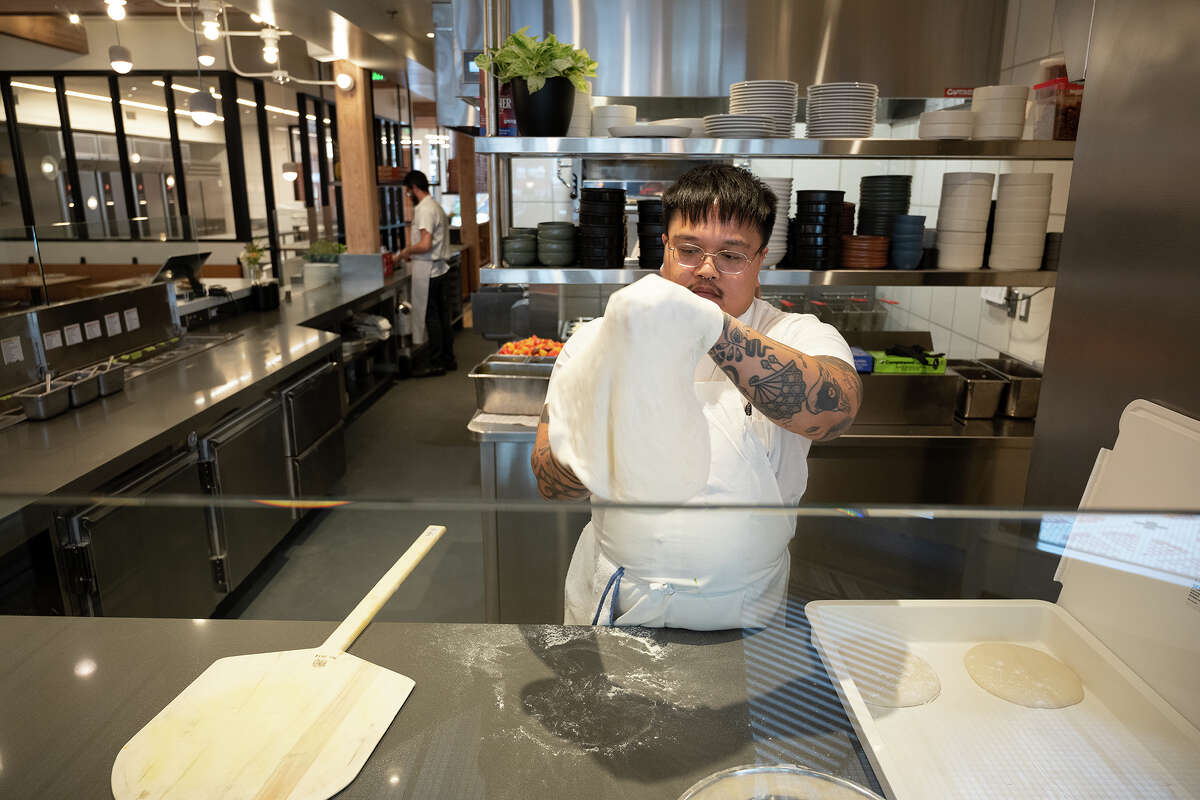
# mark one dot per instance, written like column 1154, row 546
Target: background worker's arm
column 814, row 396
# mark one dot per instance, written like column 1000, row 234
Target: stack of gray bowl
column 520, row 247
column 556, row 243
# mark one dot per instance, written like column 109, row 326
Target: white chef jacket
column 705, row 569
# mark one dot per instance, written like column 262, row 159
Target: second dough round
column 1023, row 675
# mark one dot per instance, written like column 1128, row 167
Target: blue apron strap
column 614, row 583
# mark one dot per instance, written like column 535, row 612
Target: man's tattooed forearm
column 555, row 481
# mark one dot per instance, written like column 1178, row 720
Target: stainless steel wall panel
column 1125, row 320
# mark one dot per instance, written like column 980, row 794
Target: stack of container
column 815, row 233
column 999, row 111
column 1022, row 211
column 778, row 240
column 963, row 219
column 880, row 199
column 651, row 227
column 602, row 228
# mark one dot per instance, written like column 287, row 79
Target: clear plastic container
column 1056, row 109
column 775, row 782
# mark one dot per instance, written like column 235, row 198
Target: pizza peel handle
column 297, row 724
column 354, row 624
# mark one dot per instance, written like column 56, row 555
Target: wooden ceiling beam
column 52, row 30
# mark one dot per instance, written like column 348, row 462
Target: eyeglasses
column 728, row 262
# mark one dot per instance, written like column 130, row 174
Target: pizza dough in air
column 890, row 676
column 1023, row 675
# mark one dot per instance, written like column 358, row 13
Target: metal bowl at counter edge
column 775, row 782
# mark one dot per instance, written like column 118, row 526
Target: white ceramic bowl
column 948, row 116
column 960, row 258
column 968, row 210
column 968, row 177
column 1027, row 179
column 1023, row 228
column 986, row 119
column 1020, row 214
column 997, row 92
column 1023, row 204
column 961, row 238
column 1010, row 239
column 955, row 131
column 1004, row 264
column 998, row 132
column 1000, row 105
column 1025, row 189
column 952, row 224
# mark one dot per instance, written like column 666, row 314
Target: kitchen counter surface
column 499, row 711
column 78, row 451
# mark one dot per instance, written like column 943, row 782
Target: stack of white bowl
column 581, row 114
column 739, row 126
column 999, row 111
column 950, row 124
column 605, row 117
column 841, row 110
column 963, row 218
column 1022, row 210
column 775, row 99
column 777, row 243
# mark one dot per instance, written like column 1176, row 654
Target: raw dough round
column 888, row 675
column 1023, row 675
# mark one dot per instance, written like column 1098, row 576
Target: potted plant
column 252, row 256
column 320, row 262
column 544, row 77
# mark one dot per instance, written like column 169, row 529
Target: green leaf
column 523, row 56
column 535, row 82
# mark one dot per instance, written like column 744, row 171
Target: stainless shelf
column 587, row 276
column 613, row 148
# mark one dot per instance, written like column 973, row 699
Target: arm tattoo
column 816, row 397
column 555, row 480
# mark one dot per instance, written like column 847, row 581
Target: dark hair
column 417, row 180
column 727, row 193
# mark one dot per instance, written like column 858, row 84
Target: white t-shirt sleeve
column 423, row 218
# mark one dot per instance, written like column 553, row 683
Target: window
column 151, row 162
column 205, row 164
column 40, row 133
column 252, row 154
column 89, row 108
column 11, row 219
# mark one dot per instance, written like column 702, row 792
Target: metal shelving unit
column 614, row 148
column 587, row 276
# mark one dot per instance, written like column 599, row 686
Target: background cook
column 771, row 384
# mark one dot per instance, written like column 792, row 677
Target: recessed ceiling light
column 430, row 35
column 73, row 19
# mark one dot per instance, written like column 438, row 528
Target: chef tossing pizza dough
column 1023, row 675
column 888, row 675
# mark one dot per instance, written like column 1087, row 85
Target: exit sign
column 375, row 76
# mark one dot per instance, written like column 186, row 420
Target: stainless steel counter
column 499, row 711
column 80, row 450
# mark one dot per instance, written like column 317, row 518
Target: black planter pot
column 546, row 112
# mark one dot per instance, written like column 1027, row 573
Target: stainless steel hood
column 696, row 48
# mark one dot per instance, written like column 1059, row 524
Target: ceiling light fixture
column 270, row 40
column 256, row 19
column 291, row 171
column 430, row 35
column 120, row 59
column 210, row 25
column 73, row 18
column 135, row 158
column 344, row 81
column 206, row 55
column 203, row 108
column 116, row 9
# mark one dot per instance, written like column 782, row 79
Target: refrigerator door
column 313, row 406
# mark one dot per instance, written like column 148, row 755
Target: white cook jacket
column 707, row 569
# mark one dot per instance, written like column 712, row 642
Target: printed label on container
column 73, row 334
column 112, row 323
column 959, row 91
column 92, row 329
column 52, row 339
column 132, row 323
column 12, row 350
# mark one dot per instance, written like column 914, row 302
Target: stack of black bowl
column 602, row 228
column 651, row 227
column 880, row 198
column 907, row 245
column 815, row 233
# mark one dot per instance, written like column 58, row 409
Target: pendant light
column 270, row 40
column 291, row 171
column 202, row 105
column 210, row 25
column 116, row 9
column 206, row 55
column 119, row 58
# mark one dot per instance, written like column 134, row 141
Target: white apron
column 703, row 569
column 421, row 269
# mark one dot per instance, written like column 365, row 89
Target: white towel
column 624, row 414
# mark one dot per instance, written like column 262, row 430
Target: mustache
column 709, row 285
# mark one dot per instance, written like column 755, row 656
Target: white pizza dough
column 889, row 675
column 1023, row 675
column 624, row 415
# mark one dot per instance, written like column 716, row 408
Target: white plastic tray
column 1121, row 741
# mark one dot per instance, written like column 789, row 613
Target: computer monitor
column 185, row 266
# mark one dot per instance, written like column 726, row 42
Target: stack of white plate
column 999, row 111
column 1022, row 210
column 962, row 219
column 581, row 114
column 955, row 124
column 841, row 110
column 605, row 117
column 774, row 99
column 777, row 243
column 739, row 126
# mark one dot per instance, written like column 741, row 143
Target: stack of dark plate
column 1053, row 249
column 847, row 217
column 651, row 227
column 815, row 233
column 908, row 234
column 881, row 197
column 602, row 228
column 864, row 252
